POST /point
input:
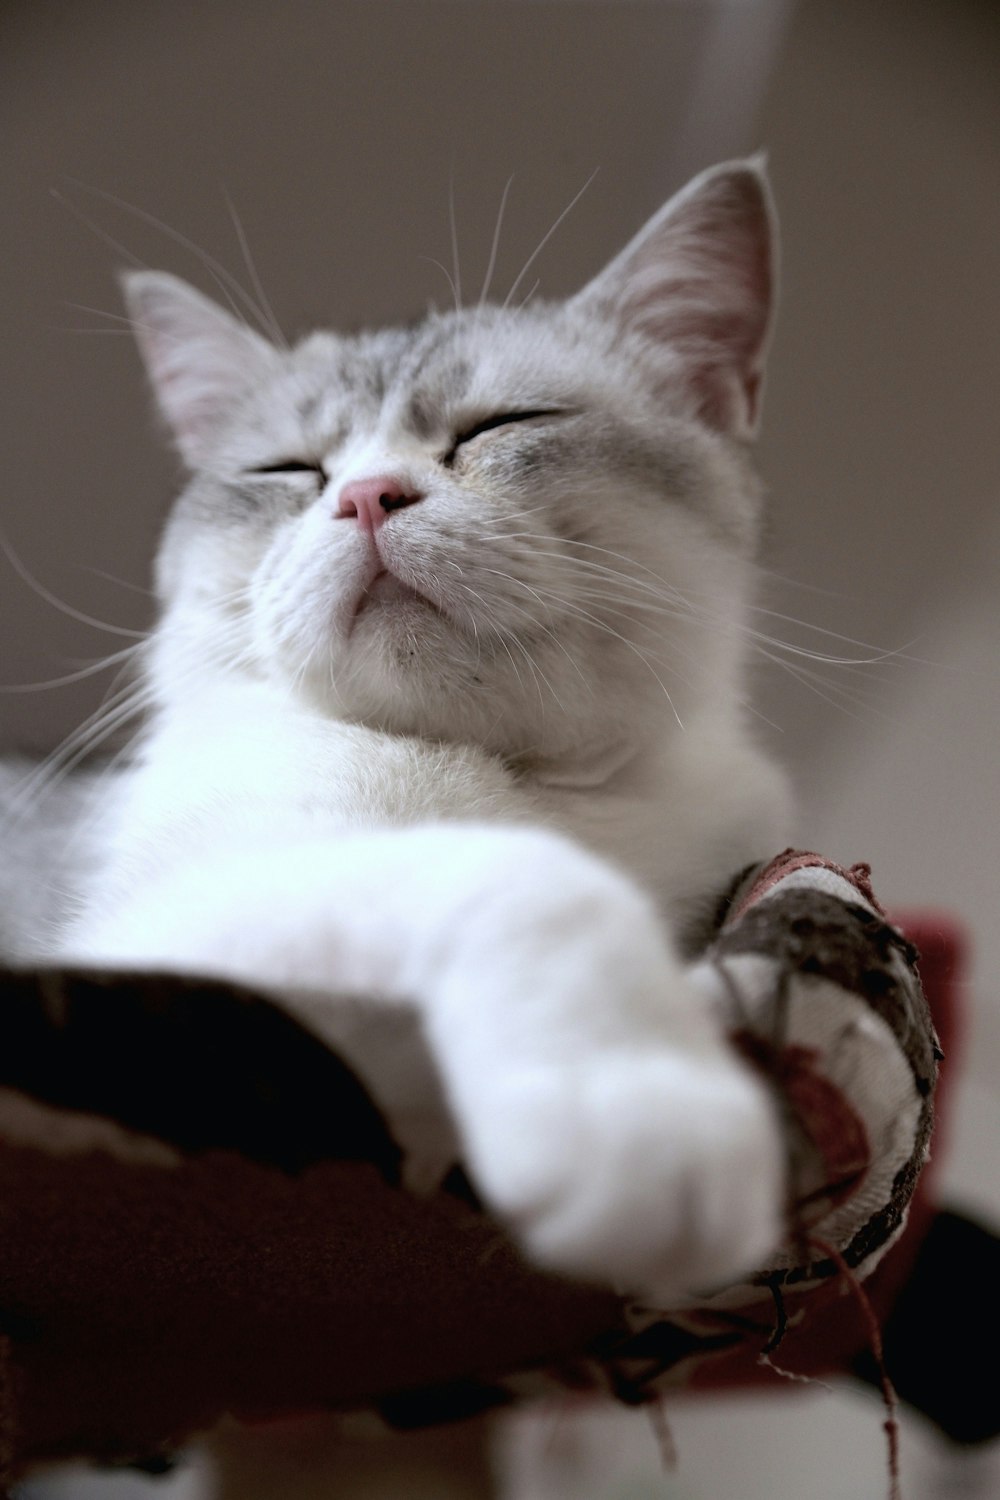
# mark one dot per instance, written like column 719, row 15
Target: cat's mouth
column 385, row 590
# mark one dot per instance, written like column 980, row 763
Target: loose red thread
column 765, row 1357
column 788, row 863
column 662, row 1434
column 891, row 1423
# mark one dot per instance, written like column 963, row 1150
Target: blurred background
column 331, row 139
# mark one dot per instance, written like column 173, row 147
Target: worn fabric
column 205, row 1210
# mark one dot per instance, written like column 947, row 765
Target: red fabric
column 156, row 1305
column 859, row 875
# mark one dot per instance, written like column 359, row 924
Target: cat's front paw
column 659, row 1172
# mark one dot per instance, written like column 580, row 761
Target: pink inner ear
column 697, row 283
column 687, row 316
column 200, row 360
column 724, row 400
column 753, row 385
column 192, row 393
column 717, row 352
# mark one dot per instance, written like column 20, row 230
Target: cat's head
column 521, row 527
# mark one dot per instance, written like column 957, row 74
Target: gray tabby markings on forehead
column 361, row 367
column 427, row 409
column 307, row 407
column 422, row 416
column 395, row 360
column 425, row 344
column 356, row 378
column 325, row 422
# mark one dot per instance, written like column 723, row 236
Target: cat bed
column 205, row 1211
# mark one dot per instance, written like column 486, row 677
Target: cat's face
column 525, row 528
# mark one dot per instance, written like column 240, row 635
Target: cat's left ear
column 698, row 285
column 201, row 361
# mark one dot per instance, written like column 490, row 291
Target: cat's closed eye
column 499, row 419
column 466, row 435
column 291, row 466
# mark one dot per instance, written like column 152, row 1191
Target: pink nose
column 371, row 500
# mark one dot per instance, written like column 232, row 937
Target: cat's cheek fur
column 602, row 1114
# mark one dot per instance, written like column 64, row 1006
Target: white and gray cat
column 446, row 705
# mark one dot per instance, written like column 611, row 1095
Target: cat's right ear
column 697, row 286
column 200, row 360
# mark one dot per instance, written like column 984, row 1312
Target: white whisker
column 833, row 693
column 91, row 670
column 95, row 333
column 453, row 226
column 123, row 583
column 496, row 242
column 447, row 274
column 520, row 583
column 273, row 326
column 26, row 576
column 95, row 229
column 235, row 293
column 573, row 608
column 66, row 757
column 546, row 237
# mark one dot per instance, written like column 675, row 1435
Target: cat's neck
column 680, row 808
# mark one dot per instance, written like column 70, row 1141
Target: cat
column 446, row 704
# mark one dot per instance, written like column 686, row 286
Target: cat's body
column 445, row 704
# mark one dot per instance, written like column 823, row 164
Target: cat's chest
column 247, row 768
column 247, row 760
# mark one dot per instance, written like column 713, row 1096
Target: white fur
column 497, row 795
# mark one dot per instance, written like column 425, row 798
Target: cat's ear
column 699, row 284
column 201, row 360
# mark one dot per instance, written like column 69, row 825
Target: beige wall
column 337, row 130
column 883, row 443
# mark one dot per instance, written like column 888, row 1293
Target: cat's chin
column 401, row 676
column 387, row 602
